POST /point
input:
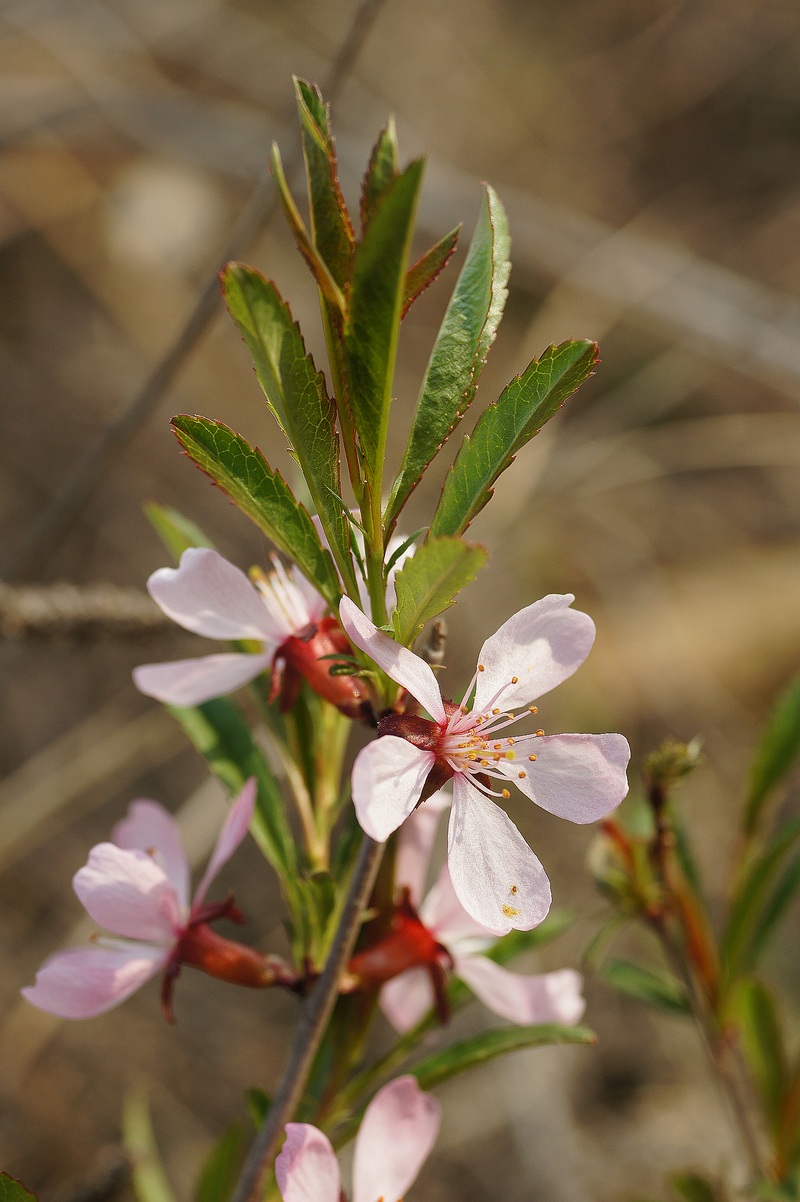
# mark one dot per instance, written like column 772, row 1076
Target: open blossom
column 281, row 612
column 495, row 875
column 444, row 938
column 394, row 1140
column 138, row 889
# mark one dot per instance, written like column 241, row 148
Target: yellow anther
column 539, row 733
column 515, row 680
column 481, row 668
column 495, row 711
column 472, row 756
column 531, row 758
column 506, row 793
column 522, row 774
column 498, row 746
column 534, row 709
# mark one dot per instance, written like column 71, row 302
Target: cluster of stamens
column 469, row 743
column 282, row 597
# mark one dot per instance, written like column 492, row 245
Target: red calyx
column 409, row 944
column 222, row 958
column 308, row 656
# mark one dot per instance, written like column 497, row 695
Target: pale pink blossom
column 496, row 877
column 280, row 612
column 394, row 1140
column 137, row 887
column 553, row 997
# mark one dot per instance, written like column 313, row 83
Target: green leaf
column 373, row 323
column 780, row 899
column 658, row 989
column 319, row 268
column 749, row 901
column 295, row 393
column 243, row 473
column 219, row 1174
column 148, row 1178
column 762, row 1041
column 460, row 350
column 258, row 1104
column 382, row 171
column 175, row 531
column 693, row 1188
column 422, row 274
column 429, row 582
column 778, row 748
column 12, row 1190
column 504, row 427
column 331, row 228
column 469, row 1053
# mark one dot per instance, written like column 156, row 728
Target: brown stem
column 310, row 1029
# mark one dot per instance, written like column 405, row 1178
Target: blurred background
column 648, row 152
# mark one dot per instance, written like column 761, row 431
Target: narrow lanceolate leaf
column 489, row 1044
column 422, row 273
column 12, row 1190
column 763, row 1044
column 331, row 228
column 221, row 1169
column 646, row 985
column 376, row 305
column 176, row 532
column 295, row 393
column 243, row 473
column 223, row 738
column 429, row 582
column 750, row 901
column 461, row 347
column 505, row 427
column 381, row 172
column 148, row 1178
column 778, row 749
column 319, row 268
column 777, row 904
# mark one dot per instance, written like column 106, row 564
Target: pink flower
column 138, row 888
column 394, row 1140
column 281, row 612
column 496, row 877
column 553, row 997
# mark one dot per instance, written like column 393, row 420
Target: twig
column 311, row 1027
column 67, row 505
column 78, row 613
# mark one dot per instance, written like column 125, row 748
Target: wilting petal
column 444, row 915
column 149, row 827
column 551, row 997
column 193, row 681
column 578, row 777
column 395, row 1138
column 85, row 981
column 416, row 843
column 234, row 829
column 129, row 894
column 307, row 1169
column 398, row 662
column 541, row 645
column 388, row 777
column 407, row 998
column 496, row 876
column 210, row 596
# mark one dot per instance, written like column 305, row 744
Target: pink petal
column 234, row 829
column 398, row 662
column 496, row 876
column 395, row 1138
column 210, row 596
column 388, row 777
column 149, row 827
column 307, row 1169
column 552, row 997
column 129, row 894
column 193, row 681
column 541, row 645
column 578, row 777
column 85, row 981
column 407, row 998
column 444, row 914
column 416, row 843
column 315, row 604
